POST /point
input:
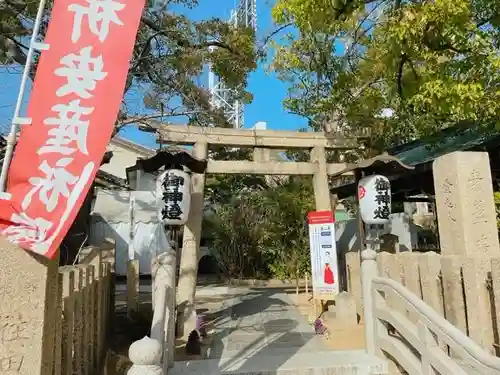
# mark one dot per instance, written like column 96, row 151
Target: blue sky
column 267, row 90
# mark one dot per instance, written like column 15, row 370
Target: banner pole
column 16, row 120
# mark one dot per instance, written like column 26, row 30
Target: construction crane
column 244, row 14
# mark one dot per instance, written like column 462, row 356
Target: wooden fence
column 86, row 306
column 464, row 290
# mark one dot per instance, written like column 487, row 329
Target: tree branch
column 436, row 42
column 184, row 43
column 150, row 23
column 399, row 74
column 488, row 20
column 144, row 119
column 268, row 38
column 14, row 50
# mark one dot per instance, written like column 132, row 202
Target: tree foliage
column 257, row 223
column 236, row 228
column 287, row 236
column 170, row 54
column 260, row 231
column 428, row 63
column 496, row 197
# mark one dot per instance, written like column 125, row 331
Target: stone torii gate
column 261, row 141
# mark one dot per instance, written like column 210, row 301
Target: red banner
column 73, row 106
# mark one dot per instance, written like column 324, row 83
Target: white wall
column 125, row 154
column 122, row 158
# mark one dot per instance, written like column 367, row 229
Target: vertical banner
column 325, row 276
column 72, row 111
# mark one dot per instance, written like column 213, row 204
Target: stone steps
column 352, row 362
column 260, row 332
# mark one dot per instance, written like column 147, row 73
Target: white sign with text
column 324, row 265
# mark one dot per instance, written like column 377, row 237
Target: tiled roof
column 457, row 138
column 109, row 180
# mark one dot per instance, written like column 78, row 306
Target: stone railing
column 463, row 290
column 425, row 344
column 155, row 355
column 85, row 309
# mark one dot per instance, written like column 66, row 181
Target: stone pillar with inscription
column 465, row 206
column 28, row 303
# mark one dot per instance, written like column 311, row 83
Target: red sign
column 320, row 217
column 73, row 106
column 361, row 192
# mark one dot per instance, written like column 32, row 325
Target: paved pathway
column 259, row 331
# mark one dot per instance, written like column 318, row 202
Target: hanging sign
column 374, row 195
column 325, row 279
column 71, row 115
column 173, row 194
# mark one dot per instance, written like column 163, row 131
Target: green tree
column 286, row 245
column 427, row 63
column 169, row 56
column 260, row 231
column 237, row 229
column 220, row 189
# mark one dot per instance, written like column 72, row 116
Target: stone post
column 145, row 355
column 261, row 155
column 191, row 247
column 465, row 206
column 108, row 255
column 320, row 180
column 28, row 295
column 133, row 284
column 163, row 324
column 368, row 272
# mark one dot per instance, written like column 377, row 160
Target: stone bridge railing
column 465, row 290
column 425, row 344
column 155, row 355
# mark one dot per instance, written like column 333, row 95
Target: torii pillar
column 321, row 197
column 320, row 180
column 191, row 248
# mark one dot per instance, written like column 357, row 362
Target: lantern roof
column 382, row 164
column 165, row 160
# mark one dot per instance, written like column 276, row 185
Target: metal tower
column 245, row 14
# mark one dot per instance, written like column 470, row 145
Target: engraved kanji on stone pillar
column 465, row 205
column 28, row 291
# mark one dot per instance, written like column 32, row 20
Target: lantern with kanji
column 173, row 196
column 374, row 195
